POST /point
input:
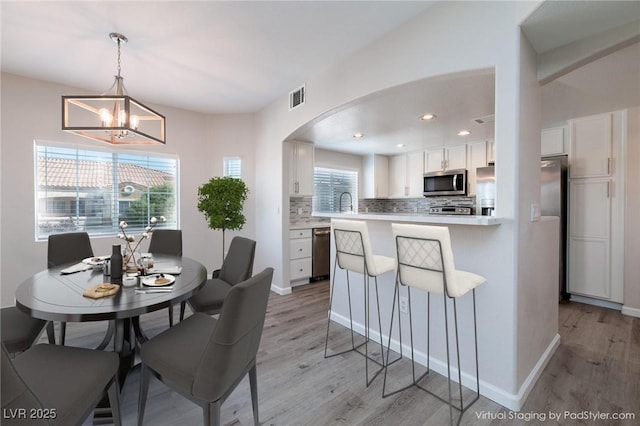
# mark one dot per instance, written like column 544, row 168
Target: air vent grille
column 486, row 119
column 297, row 97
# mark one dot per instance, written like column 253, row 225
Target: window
column 335, row 190
column 232, row 166
column 92, row 191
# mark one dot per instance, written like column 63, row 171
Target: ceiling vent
column 486, row 119
column 296, row 97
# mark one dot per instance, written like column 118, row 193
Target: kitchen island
column 481, row 245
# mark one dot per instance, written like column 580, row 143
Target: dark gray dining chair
column 62, row 249
column 19, row 331
column 237, row 267
column 166, row 241
column 203, row 358
column 59, row 382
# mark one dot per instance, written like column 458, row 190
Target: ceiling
column 390, row 120
column 205, row 56
column 235, row 57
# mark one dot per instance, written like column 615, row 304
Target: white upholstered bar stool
column 354, row 254
column 425, row 262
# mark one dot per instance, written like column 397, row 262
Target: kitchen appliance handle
column 455, row 181
column 323, row 232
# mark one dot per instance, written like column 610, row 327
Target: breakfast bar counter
column 482, row 245
column 420, row 218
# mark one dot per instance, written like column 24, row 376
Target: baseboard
column 632, row 312
column 535, row 373
column 488, row 390
column 280, row 290
column 596, row 302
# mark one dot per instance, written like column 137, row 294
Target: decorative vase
column 129, row 263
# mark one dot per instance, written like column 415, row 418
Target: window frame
column 228, row 159
column 117, row 153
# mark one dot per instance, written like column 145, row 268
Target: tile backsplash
column 411, row 205
column 300, row 208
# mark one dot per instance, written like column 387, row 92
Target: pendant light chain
column 119, row 40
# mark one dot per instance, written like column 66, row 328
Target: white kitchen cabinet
column 376, row 176
column 300, row 169
column 405, row 175
column 590, row 238
column 552, row 141
column 477, row 156
column 300, row 255
column 590, row 149
column 597, row 206
column 446, row 158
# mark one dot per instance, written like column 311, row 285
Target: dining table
column 56, row 294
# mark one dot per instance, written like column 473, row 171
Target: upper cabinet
column 448, row 158
column 300, row 169
column 376, row 176
column 552, row 141
column 405, row 175
column 590, row 146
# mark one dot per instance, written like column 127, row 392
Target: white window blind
column 92, row 191
column 330, row 186
column 232, row 167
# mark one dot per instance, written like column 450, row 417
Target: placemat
column 101, row 290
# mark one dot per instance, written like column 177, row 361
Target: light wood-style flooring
column 595, row 369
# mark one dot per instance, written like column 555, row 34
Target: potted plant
column 221, row 200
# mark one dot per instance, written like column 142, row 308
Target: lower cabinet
column 300, row 255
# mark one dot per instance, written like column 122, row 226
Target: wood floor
column 595, row 369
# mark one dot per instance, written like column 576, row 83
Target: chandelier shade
column 115, row 117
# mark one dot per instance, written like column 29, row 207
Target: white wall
column 341, row 160
column 31, row 110
column 537, row 277
column 230, row 135
column 464, row 35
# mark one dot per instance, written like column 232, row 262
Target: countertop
column 311, row 224
column 420, row 218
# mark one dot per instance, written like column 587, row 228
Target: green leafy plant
column 221, row 200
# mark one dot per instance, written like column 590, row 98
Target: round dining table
column 54, row 295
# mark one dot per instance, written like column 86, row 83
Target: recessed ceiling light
column 401, row 145
column 358, row 135
column 464, row 133
column 428, row 117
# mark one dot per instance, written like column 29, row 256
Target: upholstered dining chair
column 57, row 385
column 203, row 358
column 19, row 330
column 237, row 267
column 166, row 241
column 62, row 249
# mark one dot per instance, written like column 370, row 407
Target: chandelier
column 113, row 117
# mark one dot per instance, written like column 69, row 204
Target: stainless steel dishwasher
column 321, row 253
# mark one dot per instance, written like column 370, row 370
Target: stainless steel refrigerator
column 553, row 202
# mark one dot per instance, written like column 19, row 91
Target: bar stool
column 353, row 253
column 425, row 262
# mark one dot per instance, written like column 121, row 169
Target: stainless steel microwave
column 447, row 182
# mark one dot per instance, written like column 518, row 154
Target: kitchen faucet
column 350, row 202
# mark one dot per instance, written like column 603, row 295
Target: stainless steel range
column 450, row 210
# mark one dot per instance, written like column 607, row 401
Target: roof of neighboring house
column 61, row 173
